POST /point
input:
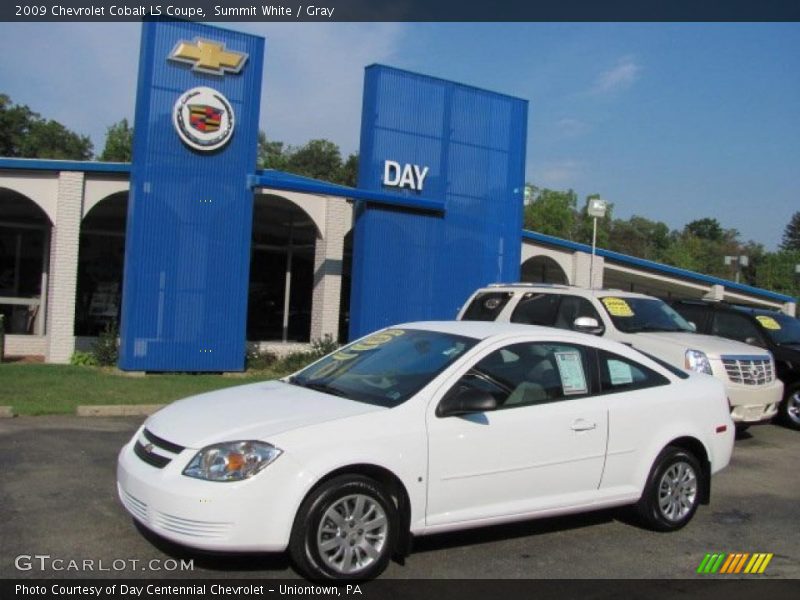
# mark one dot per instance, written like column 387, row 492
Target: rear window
column 486, row 306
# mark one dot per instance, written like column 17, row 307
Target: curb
column 6, row 412
column 118, row 410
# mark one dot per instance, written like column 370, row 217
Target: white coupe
column 424, row 428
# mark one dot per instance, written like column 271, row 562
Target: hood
column 713, row 346
column 249, row 412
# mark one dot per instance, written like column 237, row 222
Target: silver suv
column 646, row 323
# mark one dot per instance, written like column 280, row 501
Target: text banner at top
column 402, row 10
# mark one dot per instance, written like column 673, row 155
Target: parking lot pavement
column 58, row 498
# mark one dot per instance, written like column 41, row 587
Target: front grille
column 145, row 450
column 135, row 506
column 749, row 370
column 151, row 458
column 192, row 527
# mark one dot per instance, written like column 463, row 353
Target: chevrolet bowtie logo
column 209, row 57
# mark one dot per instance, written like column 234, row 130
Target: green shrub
column 255, row 359
column 106, row 348
column 322, row 346
column 83, row 359
column 295, row 361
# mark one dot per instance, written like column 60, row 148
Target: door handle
column 583, row 425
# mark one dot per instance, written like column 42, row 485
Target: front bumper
column 252, row 515
column 753, row 404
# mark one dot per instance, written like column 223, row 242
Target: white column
column 64, row 267
column 581, row 265
column 328, row 256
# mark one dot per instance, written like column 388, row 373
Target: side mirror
column 464, row 401
column 588, row 325
column 754, row 341
column 692, row 325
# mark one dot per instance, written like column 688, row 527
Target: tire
column 789, row 411
column 672, row 492
column 347, row 529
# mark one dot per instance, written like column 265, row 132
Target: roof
column 280, row 180
column 481, row 329
column 574, row 289
column 45, row 164
column 651, row 265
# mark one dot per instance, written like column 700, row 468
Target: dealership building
column 196, row 253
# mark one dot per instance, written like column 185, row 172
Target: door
column 543, row 447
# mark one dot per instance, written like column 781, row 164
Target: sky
column 673, row 122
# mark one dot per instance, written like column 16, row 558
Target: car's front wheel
column 673, row 490
column 789, row 412
column 345, row 529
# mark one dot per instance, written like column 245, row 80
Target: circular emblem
column 203, row 118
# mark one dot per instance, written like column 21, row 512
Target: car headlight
column 697, row 361
column 231, row 461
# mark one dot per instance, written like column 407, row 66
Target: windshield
column 782, row 329
column 632, row 315
column 387, row 368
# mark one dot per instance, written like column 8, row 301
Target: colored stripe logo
column 734, row 563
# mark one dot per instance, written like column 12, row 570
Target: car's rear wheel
column 673, row 490
column 346, row 529
column 789, row 412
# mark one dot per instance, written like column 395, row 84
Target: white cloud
column 555, row 174
column 569, row 127
column 619, row 77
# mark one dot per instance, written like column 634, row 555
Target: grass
column 39, row 389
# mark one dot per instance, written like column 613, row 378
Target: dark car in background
column 775, row 331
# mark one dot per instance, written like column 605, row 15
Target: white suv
column 646, row 323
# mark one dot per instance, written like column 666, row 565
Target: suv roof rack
column 529, row 284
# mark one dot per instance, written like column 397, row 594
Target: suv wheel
column 789, row 411
column 672, row 493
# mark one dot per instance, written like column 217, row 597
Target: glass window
column 536, row 309
column 532, row 373
column 632, row 314
column 486, row 306
column 574, row 307
column 618, row 374
column 695, row 313
column 386, row 368
column 735, row 327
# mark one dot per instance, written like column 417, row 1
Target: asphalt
column 58, row 498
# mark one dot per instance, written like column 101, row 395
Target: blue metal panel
column 411, row 265
column 650, row 265
column 189, row 213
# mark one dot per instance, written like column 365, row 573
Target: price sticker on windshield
column 768, row 322
column 617, row 307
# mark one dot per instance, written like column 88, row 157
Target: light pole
column 740, row 261
column 596, row 209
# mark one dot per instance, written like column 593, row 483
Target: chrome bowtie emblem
column 148, row 448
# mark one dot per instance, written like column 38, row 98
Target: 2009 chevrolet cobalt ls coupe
column 423, row 428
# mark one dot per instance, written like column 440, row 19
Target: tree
column 25, row 134
column 552, row 212
column 272, row 155
column 640, row 237
column 119, row 143
column 349, row 171
column 791, row 235
column 707, row 229
column 320, row 159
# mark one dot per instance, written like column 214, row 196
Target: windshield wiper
column 319, row 387
column 654, row 328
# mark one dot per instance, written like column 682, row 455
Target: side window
column 618, row 374
column 735, row 327
column 532, row 373
column 573, row 307
column 536, row 309
column 486, row 306
column 694, row 313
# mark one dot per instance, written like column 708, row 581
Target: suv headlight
column 697, row 361
column 231, row 461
